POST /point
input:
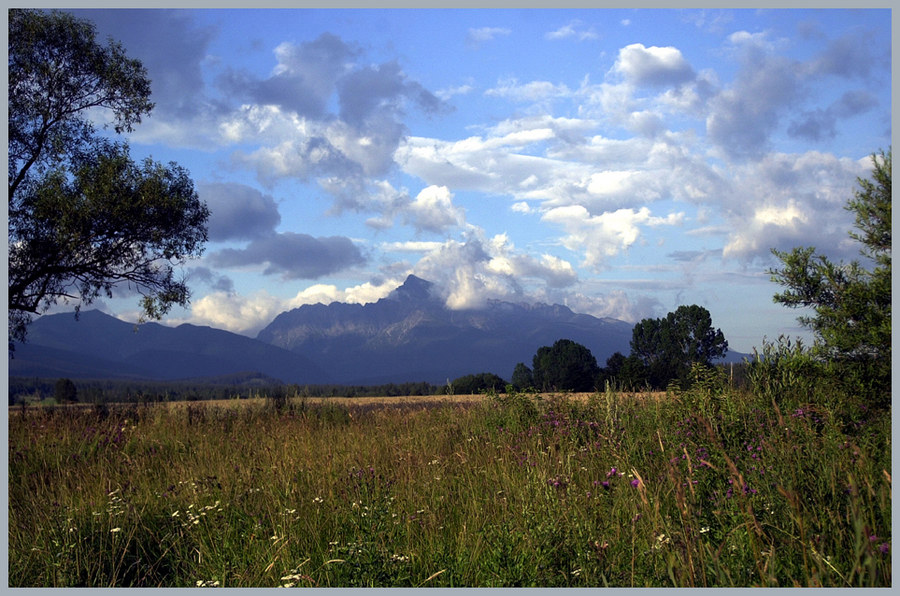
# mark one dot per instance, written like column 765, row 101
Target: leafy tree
column 623, row 372
column 565, row 366
column 472, row 384
column 668, row 347
column 83, row 217
column 852, row 304
column 522, row 378
column 65, row 391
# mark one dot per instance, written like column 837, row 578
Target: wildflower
column 205, row 584
column 114, row 530
column 635, row 483
column 660, row 541
column 884, row 547
column 704, row 529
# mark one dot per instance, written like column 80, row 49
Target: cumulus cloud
column 411, row 246
column 785, row 201
column 303, row 79
column 433, row 210
column 851, row 56
column 471, row 271
column 293, row 256
column 368, row 95
column 602, row 236
column 248, row 314
column 236, row 313
column 819, row 124
column 653, row 66
column 214, row 280
column 238, row 212
column 743, row 117
column 173, row 49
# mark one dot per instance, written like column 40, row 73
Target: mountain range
column 410, row 335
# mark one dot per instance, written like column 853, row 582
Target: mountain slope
column 411, row 336
column 100, row 346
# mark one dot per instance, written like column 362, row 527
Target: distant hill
column 100, row 346
column 410, row 335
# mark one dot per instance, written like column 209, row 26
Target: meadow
column 714, row 486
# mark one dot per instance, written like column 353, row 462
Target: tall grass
column 709, row 487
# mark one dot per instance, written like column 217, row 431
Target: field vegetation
column 787, row 483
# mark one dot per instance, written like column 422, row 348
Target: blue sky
column 622, row 162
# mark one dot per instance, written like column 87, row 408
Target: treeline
column 24, row 390
column 663, row 351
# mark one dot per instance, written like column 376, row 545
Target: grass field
column 701, row 488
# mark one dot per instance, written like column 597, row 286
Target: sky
column 620, row 162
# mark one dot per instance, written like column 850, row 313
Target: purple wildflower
column 635, row 483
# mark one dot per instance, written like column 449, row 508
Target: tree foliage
column 522, row 377
column 565, row 366
column 668, row 347
column 65, row 391
column 623, row 373
column 851, row 303
column 83, row 217
column 472, row 384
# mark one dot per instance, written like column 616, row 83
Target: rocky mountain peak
column 414, row 289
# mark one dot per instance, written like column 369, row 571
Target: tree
column 472, row 384
column 522, row 378
column 852, row 304
column 65, row 391
column 623, row 372
column 669, row 346
column 565, row 366
column 83, row 217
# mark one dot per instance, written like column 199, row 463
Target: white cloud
column 600, row 237
column 653, row 66
column 574, row 29
column 447, row 93
column 236, row 313
column 433, row 210
column 480, row 35
column 784, row 200
column 411, row 246
column 470, row 271
column 247, row 315
column 510, row 88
